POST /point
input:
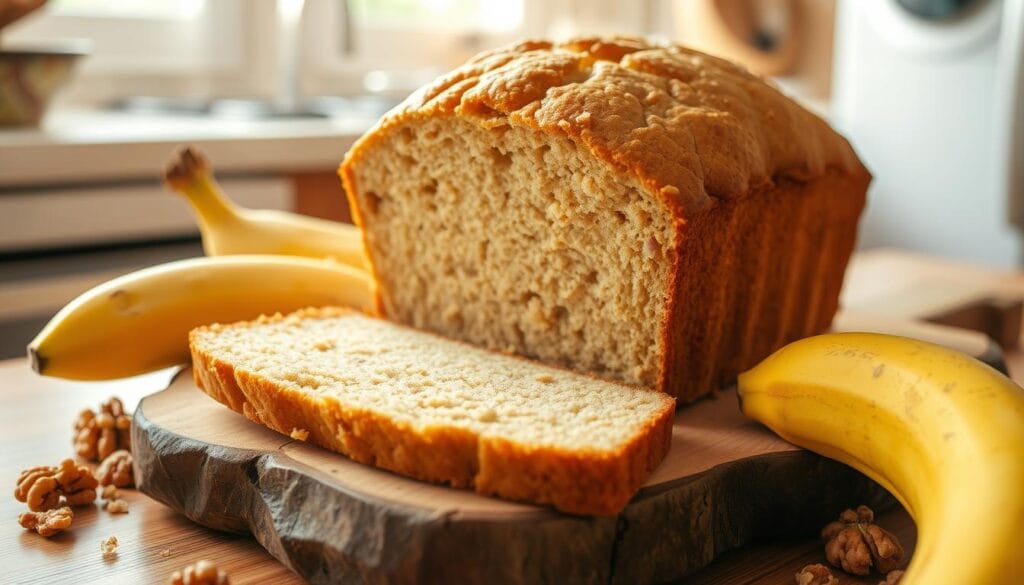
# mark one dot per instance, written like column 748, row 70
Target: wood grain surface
column 36, row 416
column 36, row 419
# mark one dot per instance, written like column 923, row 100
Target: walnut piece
column 98, row 434
column 117, row 506
column 49, row 522
column 856, row 544
column 110, row 492
column 816, row 574
column 116, row 469
column 43, row 487
column 892, row 578
column 201, row 573
column 108, row 546
column 38, row 487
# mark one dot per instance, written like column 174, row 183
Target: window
column 207, row 49
column 147, row 47
column 394, row 46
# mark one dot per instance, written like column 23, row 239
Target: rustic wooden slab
column 725, row 482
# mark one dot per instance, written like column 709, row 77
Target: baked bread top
column 690, row 126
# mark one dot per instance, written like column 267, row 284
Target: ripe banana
column 229, row 229
column 140, row 322
column 938, row 429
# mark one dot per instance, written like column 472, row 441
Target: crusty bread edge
column 576, row 482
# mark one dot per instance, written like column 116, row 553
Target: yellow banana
column 941, row 431
column 229, row 229
column 140, row 322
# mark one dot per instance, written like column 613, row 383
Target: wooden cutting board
column 725, row 482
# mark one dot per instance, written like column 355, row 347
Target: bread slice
column 438, row 410
column 644, row 212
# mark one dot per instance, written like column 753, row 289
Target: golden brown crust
column 690, row 126
column 574, row 482
column 771, row 269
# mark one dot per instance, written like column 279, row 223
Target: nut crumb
column 116, row 469
column 202, row 573
column 49, row 522
column 165, row 553
column 816, row 574
column 108, row 546
column 299, row 434
column 110, row 492
column 117, row 506
column 545, row 378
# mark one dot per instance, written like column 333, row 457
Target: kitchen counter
column 109, row 146
column 36, row 414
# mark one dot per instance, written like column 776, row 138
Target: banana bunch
column 140, row 322
column 261, row 262
column 941, row 431
column 229, row 229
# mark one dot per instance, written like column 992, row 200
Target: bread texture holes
column 372, row 202
column 500, row 159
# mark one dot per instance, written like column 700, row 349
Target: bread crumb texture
column 440, row 410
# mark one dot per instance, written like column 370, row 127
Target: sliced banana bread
column 439, row 410
column 644, row 212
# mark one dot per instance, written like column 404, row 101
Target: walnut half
column 856, row 544
column 42, row 487
column 49, row 522
column 98, row 434
column 116, row 469
column 816, row 574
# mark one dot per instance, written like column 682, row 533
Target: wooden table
column 36, row 415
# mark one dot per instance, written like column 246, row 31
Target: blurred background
column 96, row 94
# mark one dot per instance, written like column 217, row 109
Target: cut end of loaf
column 518, row 241
column 439, row 410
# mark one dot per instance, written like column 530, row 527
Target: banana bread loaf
column 644, row 212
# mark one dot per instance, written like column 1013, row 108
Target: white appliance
column 930, row 93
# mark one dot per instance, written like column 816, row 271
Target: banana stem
column 189, row 175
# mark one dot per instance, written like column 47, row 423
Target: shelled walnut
column 49, row 522
column 201, row 573
column 116, row 469
column 856, row 544
column 816, row 574
column 43, row 487
column 98, row 434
